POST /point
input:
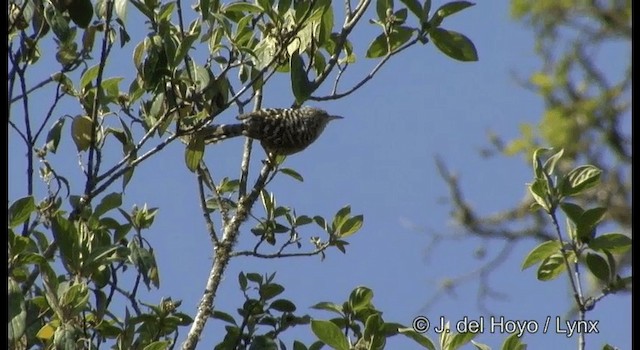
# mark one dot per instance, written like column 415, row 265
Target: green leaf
column 223, row 316
column 110, row 201
column 579, row 180
column 58, row 24
column 21, row 210
column 300, row 84
column 379, row 47
column 539, row 191
column 53, row 137
column 550, row 164
column 513, row 342
column 17, row 311
column 538, row 167
column 414, row 6
column 294, row 174
column 66, row 235
column 551, row 267
column 327, row 306
column 541, row 252
column 351, row 226
column 360, row 298
column 459, row 339
column 254, row 277
column 270, row 290
column 454, row 44
column 158, row 345
column 194, row 153
column 283, row 305
column 88, row 76
column 121, row 9
column 480, row 346
column 613, row 242
column 573, row 211
column 586, row 225
column 598, row 267
column 303, row 220
column 381, row 8
column 80, row 12
column 417, row 337
column 374, row 331
column 320, row 221
column 81, row 129
column 447, row 10
column 242, row 7
column 330, row 334
column 426, row 8
column 242, row 281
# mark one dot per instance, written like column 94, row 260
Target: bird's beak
column 332, row 117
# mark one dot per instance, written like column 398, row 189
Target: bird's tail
column 220, row 132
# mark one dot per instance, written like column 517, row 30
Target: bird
column 281, row 131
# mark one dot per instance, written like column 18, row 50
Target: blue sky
column 380, row 160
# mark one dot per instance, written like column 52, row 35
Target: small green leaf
column 586, row 225
column 360, row 298
column 480, row 346
column 223, row 316
column 121, row 9
column 580, row 179
column 110, row 201
column 283, row 305
column 66, row 235
column 185, row 44
column 381, row 8
column 242, row 281
column 513, row 342
column 550, row 164
column 300, row 84
column 80, row 12
column 88, row 76
column 53, row 137
column 21, row 210
column 242, row 7
column 573, row 211
column 379, row 47
column 447, row 10
column 58, row 24
column 270, row 290
column 414, row 6
column 417, row 337
column 330, row 334
column 538, row 167
column 320, row 221
column 327, row 306
column 254, row 277
column 351, row 226
column 294, row 174
column 426, row 8
column 17, row 311
column 158, row 345
column 539, row 191
column 194, row 153
column 81, row 129
column 598, row 266
column 454, row 44
column 459, row 339
column 541, row 252
column 613, row 242
column 551, row 267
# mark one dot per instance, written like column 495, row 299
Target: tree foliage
column 75, row 255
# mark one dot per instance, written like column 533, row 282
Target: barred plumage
column 280, row 131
